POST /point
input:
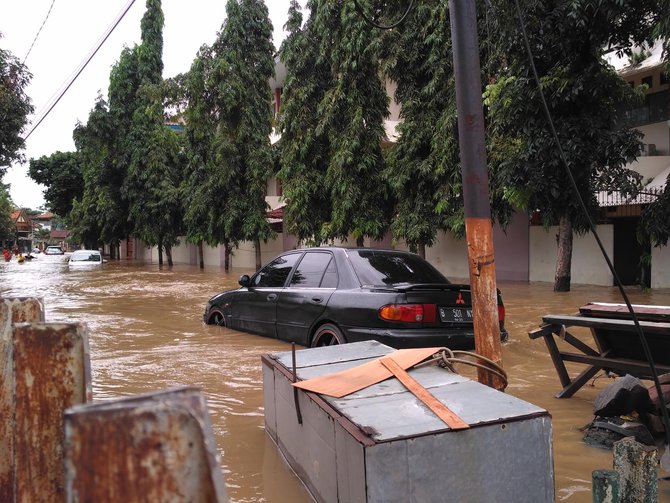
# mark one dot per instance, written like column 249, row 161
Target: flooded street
column 146, row 334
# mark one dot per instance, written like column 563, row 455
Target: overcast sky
column 71, row 32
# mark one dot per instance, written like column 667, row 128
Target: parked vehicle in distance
column 53, row 250
column 85, row 258
column 333, row 295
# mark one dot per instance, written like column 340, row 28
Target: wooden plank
column 442, row 411
column 646, row 312
column 339, row 384
column 562, row 372
column 633, row 367
column 578, row 382
column 609, row 323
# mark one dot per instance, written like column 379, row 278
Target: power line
column 38, row 32
column 83, row 65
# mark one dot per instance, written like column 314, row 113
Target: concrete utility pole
column 478, row 228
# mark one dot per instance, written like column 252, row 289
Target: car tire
column 216, row 318
column 328, row 335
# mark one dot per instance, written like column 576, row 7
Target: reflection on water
column 146, row 334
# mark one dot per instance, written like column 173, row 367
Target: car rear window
column 376, row 267
column 85, row 257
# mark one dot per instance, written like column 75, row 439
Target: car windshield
column 85, row 257
column 376, row 267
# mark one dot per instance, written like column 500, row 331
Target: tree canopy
column 228, row 126
column 583, row 94
column 15, row 106
column 61, row 173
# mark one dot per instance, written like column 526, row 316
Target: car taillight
column 501, row 313
column 408, row 313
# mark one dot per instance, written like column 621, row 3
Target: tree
column 350, row 113
column 655, row 224
column 200, row 126
column 582, row 92
column 61, row 173
column 93, row 142
column 228, row 127
column 303, row 151
column 15, row 107
column 424, row 165
column 154, row 176
column 6, row 207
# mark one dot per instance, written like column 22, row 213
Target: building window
column 648, row 81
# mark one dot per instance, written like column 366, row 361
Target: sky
column 72, row 30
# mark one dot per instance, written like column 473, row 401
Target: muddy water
column 146, row 334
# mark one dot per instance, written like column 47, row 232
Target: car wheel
column 328, row 335
column 216, row 318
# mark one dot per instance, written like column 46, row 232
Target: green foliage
column 348, row 100
column 582, row 93
column 228, row 126
column 655, row 223
column 6, row 207
column 424, row 166
column 303, row 150
column 61, row 173
column 152, row 186
column 15, row 106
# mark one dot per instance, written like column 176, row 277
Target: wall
column 660, row 267
column 511, row 249
column 656, row 133
column 588, row 264
column 449, row 256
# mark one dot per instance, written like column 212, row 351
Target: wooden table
column 616, row 344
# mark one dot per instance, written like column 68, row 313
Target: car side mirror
column 245, row 280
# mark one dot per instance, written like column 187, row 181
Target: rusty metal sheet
column 12, row 310
column 51, row 373
column 154, row 447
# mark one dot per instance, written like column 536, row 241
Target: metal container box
column 381, row 444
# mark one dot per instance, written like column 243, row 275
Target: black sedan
column 324, row 296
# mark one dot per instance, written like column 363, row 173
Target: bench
column 617, row 347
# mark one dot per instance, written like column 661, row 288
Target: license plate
column 456, row 314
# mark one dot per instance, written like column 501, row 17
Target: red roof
column 277, row 213
column 59, row 233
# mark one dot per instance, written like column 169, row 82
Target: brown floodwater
column 146, row 334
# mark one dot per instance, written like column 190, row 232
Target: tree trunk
column 564, row 256
column 112, row 251
column 257, row 245
column 421, row 250
column 201, row 255
column 168, row 253
column 360, row 241
column 226, row 256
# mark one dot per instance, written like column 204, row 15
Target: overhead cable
column 38, row 32
column 82, row 66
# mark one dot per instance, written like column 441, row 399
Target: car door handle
column 317, row 300
column 271, row 297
